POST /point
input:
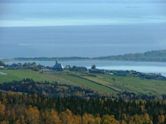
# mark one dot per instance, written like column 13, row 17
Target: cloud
column 80, row 21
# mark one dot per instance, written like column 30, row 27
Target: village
column 58, row 67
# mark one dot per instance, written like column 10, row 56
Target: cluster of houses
column 57, row 67
column 93, row 69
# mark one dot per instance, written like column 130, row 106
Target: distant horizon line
column 79, row 57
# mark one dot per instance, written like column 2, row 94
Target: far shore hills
column 149, row 56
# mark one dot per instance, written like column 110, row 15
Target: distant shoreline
column 149, row 56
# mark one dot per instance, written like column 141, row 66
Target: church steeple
column 56, row 62
column 58, row 66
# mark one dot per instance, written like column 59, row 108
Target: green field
column 102, row 83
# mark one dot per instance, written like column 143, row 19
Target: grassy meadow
column 102, row 83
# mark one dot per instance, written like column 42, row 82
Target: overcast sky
column 81, row 12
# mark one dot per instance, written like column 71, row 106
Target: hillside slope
column 158, row 56
column 102, row 83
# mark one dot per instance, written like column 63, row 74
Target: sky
column 30, row 28
column 21, row 13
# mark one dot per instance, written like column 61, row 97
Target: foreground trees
column 18, row 108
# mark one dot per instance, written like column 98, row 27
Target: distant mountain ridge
column 156, row 56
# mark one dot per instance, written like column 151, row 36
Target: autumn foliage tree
column 18, row 108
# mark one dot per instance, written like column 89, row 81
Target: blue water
column 80, row 40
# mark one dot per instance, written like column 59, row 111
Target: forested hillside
column 158, row 56
column 23, row 108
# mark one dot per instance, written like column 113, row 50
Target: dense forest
column 34, row 108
